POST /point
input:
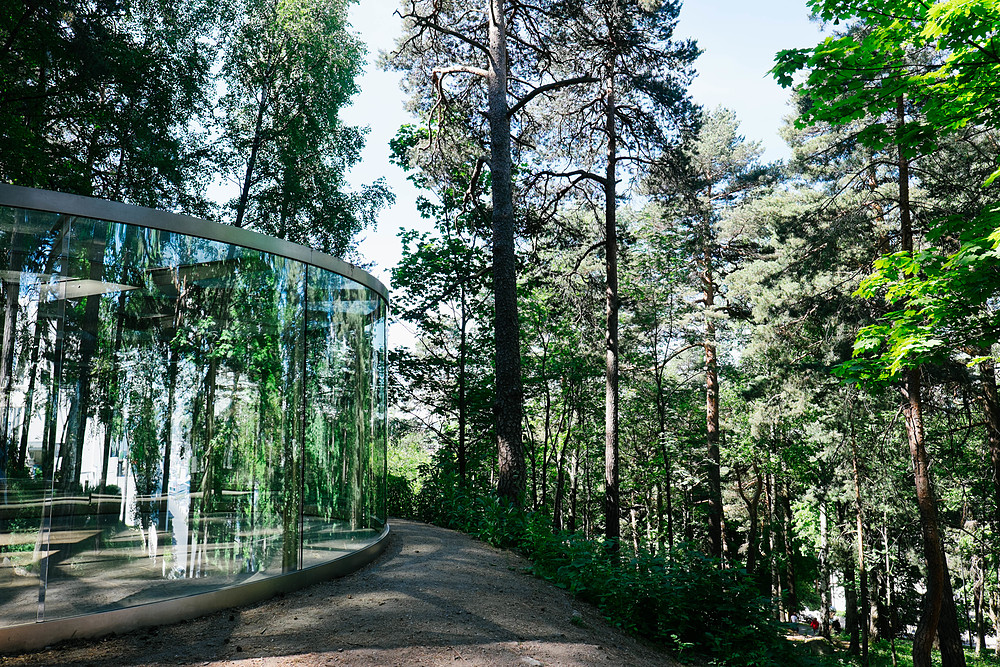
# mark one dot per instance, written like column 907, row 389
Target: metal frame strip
column 16, row 196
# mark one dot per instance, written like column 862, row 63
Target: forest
column 707, row 392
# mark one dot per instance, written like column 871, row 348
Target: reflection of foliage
column 343, row 465
column 145, row 452
column 197, row 384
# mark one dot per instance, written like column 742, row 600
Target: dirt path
column 435, row 597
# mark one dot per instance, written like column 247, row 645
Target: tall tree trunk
column 788, row 541
column 864, row 605
column 892, row 620
column 991, row 402
column 241, row 208
column 612, row 502
column 89, row 331
column 712, row 409
column 660, row 531
column 923, row 640
column 11, row 297
column 752, row 503
column 661, row 434
column 168, row 434
column 547, row 429
column 559, row 494
column 939, row 603
column 107, row 414
column 463, row 408
column 949, row 632
column 978, row 586
column 61, row 230
column 851, row 604
column 29, row 397
column 574, row 478
column 509, row 407
column 825, row 594
column 531, row 449
column 764, row 570
column 774, row 525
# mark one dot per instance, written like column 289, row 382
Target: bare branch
column 546, row 88
column 428, row 22
column 473, row 189
column 599, row 244
column 441, row 72
column 570, row 174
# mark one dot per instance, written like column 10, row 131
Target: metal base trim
column 31, row 636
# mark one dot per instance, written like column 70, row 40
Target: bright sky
column 738, row 38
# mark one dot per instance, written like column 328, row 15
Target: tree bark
column 661, row 432
column 825, row 593
column 11, row 293
column 788, row 542
column 29, row 397
column 978, row 586
column 923, row 639
column 574, row 478
column 89, row 331
column 509, row 396
column 939, row 603
column 991, row 403
column 463, row 408
column 864, row 604
column 168, row 433
column 851, row 611
column 559, row 494
column 241, row 208
column 612, row 502
column 712, row 410
column 949, row 633
column 107, row 416
column 753, row 512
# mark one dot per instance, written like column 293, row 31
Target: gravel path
column 435, row 597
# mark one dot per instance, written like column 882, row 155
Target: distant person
column 814, row 624
column 836, row 625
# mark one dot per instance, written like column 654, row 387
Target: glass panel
column 381, row 417
column 341, row 332
column 171, row 421
column 32, row 246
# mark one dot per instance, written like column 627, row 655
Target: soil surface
column 434, row 597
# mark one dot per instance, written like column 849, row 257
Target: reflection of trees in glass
column 342, row 385
column 29, row 242
column 183, row 360
column 145, row 453
column 241, row 328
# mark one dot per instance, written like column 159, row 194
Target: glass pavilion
column 191, row 416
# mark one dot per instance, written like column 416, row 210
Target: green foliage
column 102, row 98
column 401, row 500
column 880, row 655
column 289, row 67
column 686, row 601
column 942, row 53
column 947, row 304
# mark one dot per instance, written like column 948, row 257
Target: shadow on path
column 434, row 597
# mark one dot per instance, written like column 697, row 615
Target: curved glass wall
column 177, row 414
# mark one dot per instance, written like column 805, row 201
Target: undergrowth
column 684, row 600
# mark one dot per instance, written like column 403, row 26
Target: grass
column 880, row 655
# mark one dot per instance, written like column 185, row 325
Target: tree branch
column 583, row 173
column 599, row 244
column 546, row 88
column 428, row 22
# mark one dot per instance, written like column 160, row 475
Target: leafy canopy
column 944, row 54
